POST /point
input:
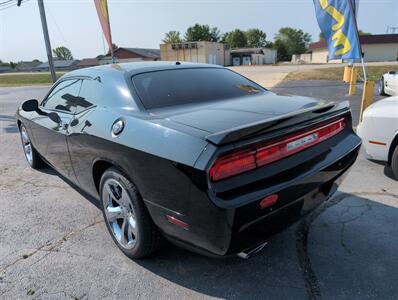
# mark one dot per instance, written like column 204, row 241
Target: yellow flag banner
column 103, row 15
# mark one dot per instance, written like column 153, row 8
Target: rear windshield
column 185, row 86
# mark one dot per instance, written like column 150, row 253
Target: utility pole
column 47, row 39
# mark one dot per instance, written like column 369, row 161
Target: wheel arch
column 99, row 167
column 394, row 144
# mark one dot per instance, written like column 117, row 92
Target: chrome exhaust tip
column 245, row 254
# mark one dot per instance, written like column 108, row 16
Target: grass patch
column 336, row 73
column 26, row 79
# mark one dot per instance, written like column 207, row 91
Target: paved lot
column 328, row 90
column 270, row 75
column 54, row 244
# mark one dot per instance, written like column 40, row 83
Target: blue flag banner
column 336, row 18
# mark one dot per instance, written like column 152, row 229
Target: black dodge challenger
column 193, row 153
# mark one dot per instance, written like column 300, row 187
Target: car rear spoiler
column 316, row 114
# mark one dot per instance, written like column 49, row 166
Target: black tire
column 381, row 87
column 33, row 158
column 148, row 237
column 394, row 163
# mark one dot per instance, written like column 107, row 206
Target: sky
column 142, row 24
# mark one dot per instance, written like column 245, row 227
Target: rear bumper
column 221, row 232
column 372, row 151
column 259, row 230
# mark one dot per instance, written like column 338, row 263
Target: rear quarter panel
column 157, row 159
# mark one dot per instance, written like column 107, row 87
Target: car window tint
column 184, row 86
column 63, row 96
column 88, row 95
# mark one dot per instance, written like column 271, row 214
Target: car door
column 50, row 135
column 83, row 146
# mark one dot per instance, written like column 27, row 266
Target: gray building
column 5, row 69
column 27, row 66
column 59, row 65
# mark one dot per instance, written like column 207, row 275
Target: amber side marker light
column 177, row 222
column 259, row 155
column 377, row 143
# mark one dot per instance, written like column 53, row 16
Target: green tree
column 256, row 38
column 199, row 32
column 289, row 41
column 172, row 37
column 4, row 64
column 235, row 39
column 62, row 53
column 363, row 32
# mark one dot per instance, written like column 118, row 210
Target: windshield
column 175, row 87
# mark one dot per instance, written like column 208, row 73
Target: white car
column 379, row 132
column 389, row 84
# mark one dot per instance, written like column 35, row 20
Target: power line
column 6, row 7
column 5, row 2
column 56, row 25
column 11, row 4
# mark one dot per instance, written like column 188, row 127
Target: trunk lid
column 231, row 120
column 227, row 114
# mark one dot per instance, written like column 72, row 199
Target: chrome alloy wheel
column 119, row 213
column 27, row 146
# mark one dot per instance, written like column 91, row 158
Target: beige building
column 198, row 52
column 378, row 47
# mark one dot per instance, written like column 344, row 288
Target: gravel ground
column 54, row 244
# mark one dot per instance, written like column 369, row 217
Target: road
column 270, row 75
column 54, row 244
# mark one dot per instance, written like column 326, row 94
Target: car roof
column 138, row 67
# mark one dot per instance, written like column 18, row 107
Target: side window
column 88, row 95
column 64, row 96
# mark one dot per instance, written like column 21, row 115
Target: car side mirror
column 54, row 117
column 30, row 105
column 392, row 72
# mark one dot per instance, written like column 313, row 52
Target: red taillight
column 268, row 201
column 233, row 164
column 260, row 155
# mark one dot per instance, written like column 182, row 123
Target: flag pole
column 355, row 9
column 365, row 76
column 110, row 34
